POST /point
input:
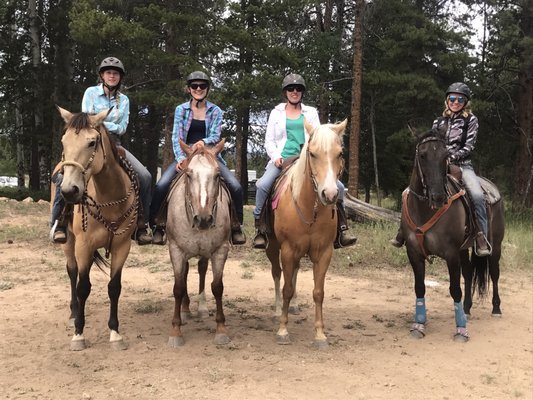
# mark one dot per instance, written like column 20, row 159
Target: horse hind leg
column 217, row 287
column 467, row 271
column 185, row 309
column 272, row 253
column 494, row 270
column 454, row 269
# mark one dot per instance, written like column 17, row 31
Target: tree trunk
column 374, row 149
column 523, row 163
column 353, row 161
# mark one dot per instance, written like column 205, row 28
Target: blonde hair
column 465, row 111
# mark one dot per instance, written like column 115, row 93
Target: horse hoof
column 417, row 334
column 176, row 341
column 221, row 339
column 118, row 345
column 496, row 315
column 418, row 331
column 294, row 310
column 77, row 344
column 461, row 335
column 283, row 339
column 321, row 344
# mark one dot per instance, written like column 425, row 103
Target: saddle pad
column 279, row 188
column 492, row 194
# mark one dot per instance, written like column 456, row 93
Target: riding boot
column 481, row 246
column 58, row 232
column 260, row 241
column 158, row 235
column 237, row 235
column 342, row 239
column 399, row 240
column 143, row 235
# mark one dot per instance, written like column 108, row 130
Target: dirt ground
column 367, row 314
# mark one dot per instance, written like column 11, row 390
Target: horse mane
column 206, row 152
column 323, row 137
column 81, row 121
column 432, row 133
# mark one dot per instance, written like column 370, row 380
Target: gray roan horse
column 107, row 199
column 435, row 222
column 198, row 225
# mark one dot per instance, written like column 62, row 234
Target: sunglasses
column 459, row 99
column 200, row 86
column 292, row 88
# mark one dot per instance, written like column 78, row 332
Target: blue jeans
column 163, row 185
column 145, row 183
column 264, row 184
column 473, row 187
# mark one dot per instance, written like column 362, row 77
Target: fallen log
column 360, row 211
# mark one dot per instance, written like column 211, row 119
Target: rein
column 315, row 189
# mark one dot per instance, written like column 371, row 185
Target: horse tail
column 101, row 262
column 480, row 266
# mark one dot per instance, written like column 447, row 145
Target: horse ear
column 219, row 147
column 96, row 120
column 186, row 149
column 66, row 115
column 340, row 127
column 308, row 127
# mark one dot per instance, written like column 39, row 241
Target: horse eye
column 312, row 155
column 92, row 143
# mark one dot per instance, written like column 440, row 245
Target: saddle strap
column 421, row 230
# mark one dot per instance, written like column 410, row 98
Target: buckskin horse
column 198, row 225
column 435, row 221
column 305, row 221
column 106, row 198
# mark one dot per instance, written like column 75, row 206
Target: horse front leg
column 272, row 253
column 454, row 269
column 218, row 260
column 289, row 268
column 72, row 271
column 185, row 310
column 320, row 267
column 418, row 328
column 179, row 264
column 83, row 289
column 494, row 271
column 468, row 275
column 203, row 311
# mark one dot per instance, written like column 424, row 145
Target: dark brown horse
column 107, row 199
column 435, row 222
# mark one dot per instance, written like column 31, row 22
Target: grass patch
column 148, row 307
column 6, row 285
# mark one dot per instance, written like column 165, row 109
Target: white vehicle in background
column 10, row 181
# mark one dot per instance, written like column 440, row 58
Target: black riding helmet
column 459, row 87
column 112, row 63
column 199, row 76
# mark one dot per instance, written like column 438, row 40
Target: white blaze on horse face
column 331, row 190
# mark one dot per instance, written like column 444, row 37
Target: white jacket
column 276, row 133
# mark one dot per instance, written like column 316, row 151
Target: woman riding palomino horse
column 106, row 215
column 284, row 139
column 461, row 134
column 107, row 96
column 305, row 221
column 197, row 122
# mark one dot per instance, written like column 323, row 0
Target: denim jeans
column 264, row 184
column 473, row 187
column 145, row 183
column 163, row 185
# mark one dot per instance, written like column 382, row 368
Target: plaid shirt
column 95, row 100
column 182, row 123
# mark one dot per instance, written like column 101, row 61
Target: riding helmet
column 459, row 87
column 198, row 76
column 293, row 79
column 112, row 63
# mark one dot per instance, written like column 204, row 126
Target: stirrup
column 344, row 241
column 159, row 237
column 482, row 252
column 260, row 241
column 238, row 237
column 143, row 237
column 58, row 235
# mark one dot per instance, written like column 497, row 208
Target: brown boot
column 58, row 234
column 158, row 236
column 237, row 236
column 343, row 239
column 399, row 240
column 260, row 241
column 143, row 236
column 482, row 246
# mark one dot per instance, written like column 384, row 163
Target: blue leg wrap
column 460, row 317
column 420, row 311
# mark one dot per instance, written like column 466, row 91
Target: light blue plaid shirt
column 95, row 100
column 182, row 123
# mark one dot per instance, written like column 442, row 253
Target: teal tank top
column 295, row 137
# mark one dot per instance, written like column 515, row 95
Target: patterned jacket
column 461, row 136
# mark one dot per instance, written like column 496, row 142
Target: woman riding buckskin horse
column 107, row 95
column 284, row 139
column 461, row 135
column 197, row 122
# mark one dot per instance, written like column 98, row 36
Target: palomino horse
column 198, row 225
column 305, row 221
column 434, row 221
column 107, row 199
